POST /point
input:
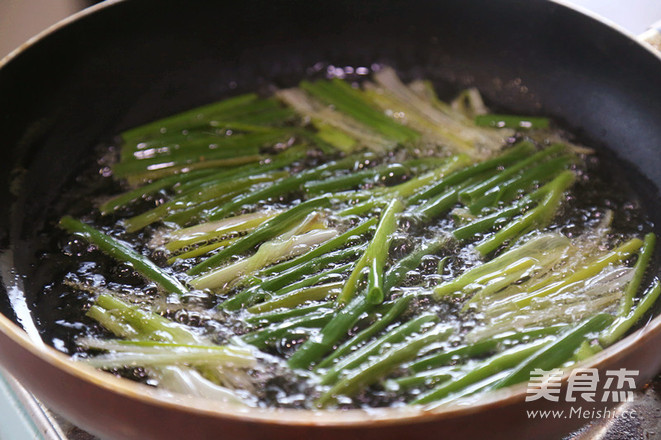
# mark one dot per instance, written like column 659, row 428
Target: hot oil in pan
column 69, row 262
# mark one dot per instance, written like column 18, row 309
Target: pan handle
column 652, row 36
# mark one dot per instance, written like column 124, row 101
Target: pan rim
column 110, row 3
column 54, row 28
column 298, row 417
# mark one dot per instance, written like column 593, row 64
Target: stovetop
column 23, row 417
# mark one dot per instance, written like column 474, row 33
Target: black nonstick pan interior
column 138, row 60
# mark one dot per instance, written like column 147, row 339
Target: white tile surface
column 633, row 15
column 22, row 19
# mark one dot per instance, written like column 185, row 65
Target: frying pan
column 122, row 63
